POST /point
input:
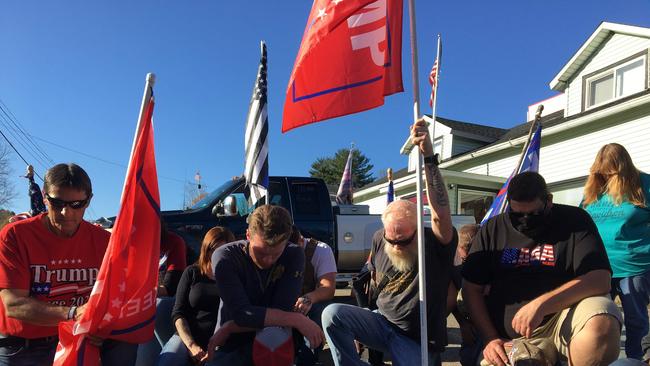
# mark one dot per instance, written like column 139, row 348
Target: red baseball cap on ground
column 273, row 346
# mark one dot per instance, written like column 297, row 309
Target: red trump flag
column 122, row 303
column 349, row 59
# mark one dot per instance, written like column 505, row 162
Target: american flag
column 433, row 75
column 530, row 163
column 433, row 80
column 256, row 170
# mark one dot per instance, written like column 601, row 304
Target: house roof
column 490, row 132
column 604, row 31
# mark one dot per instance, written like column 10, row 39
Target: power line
column 10, row 115
column 98, row 158
column 20, row 142
column 17, row 152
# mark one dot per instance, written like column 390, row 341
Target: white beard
column 404, row 261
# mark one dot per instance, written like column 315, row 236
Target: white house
column 604, row 97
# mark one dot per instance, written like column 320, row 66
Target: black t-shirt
column 519, row 269
column 197, row 302
column 246, row 291
column 399, row 300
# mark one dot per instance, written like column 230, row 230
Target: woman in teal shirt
column 615, row 197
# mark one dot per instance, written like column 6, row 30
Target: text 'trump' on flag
column 349, row 59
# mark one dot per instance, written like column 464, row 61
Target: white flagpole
column 148, row 90
column 435, row 96
column 424, row 350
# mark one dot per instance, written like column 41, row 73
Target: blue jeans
column 174, row 353
column 627, row 362
column 164, row 329
column 634, row 293
column 344, row 323
column 113, row 353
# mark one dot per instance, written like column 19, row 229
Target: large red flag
column 122, row 303
column 349, row 59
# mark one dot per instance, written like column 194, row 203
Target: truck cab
column 306, row 199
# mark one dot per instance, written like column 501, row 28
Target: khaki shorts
column 563, row 326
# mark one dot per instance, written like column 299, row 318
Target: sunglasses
column 60, row 204
column 519, row 215
column 401, row 242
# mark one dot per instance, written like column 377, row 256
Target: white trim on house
column 591, row 46
column 577, row 122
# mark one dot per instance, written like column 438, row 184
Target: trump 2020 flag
column 390, row 193
column 529, row 163
column 256, row 169
column 122, row 304
column 344, row 194
column 349, row 59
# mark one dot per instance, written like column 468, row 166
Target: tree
column 7, row 192
column 4, row 217
column 331, row 169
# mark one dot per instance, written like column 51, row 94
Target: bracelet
column 72, row 312
column 433, row 159
column 305, row 300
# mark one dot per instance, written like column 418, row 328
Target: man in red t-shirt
column 48, row 266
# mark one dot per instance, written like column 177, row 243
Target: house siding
column 618, row 47
column 564, row 158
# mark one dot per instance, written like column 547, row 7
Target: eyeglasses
column 402, row 242
column 518, row 215
column 60, row 204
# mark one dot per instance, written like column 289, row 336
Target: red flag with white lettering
column 122, row 303
column 349, row 59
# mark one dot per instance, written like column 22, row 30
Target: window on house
column 474, row 202
column 617, row 82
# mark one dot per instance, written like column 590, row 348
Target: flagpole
column 435, row 95
column 538, row 117
column 424, row 351
column 146, row 97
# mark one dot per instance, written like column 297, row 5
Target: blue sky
column 73, row 72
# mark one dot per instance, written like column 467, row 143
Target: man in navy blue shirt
column 258, row 280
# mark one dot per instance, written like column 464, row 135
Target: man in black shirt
column 258, row 280
column 548, row 277
column 395, row 327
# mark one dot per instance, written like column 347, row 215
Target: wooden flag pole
column 424, row 349
column 538, row 117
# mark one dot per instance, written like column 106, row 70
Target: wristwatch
column 433, row 159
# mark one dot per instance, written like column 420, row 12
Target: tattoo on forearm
column 436, row 185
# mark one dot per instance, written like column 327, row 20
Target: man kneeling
column 549, row 279
column 258, row 280
column 395, row 327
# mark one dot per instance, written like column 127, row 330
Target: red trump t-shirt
column 54, row 269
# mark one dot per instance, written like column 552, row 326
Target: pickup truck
column 348, row 229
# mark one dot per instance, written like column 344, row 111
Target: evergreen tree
column 330, row 169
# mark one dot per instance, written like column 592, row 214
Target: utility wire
column 10, row 115
column 17, row 152
column 20, row 142
column 100, row 159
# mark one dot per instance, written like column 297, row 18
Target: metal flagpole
column 424, row 350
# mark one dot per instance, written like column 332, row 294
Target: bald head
column 400, row 210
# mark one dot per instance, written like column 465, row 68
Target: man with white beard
column 394, row 327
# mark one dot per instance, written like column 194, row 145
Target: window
column 475, row 203
column 625, row 79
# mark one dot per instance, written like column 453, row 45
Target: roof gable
column 602, row 34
